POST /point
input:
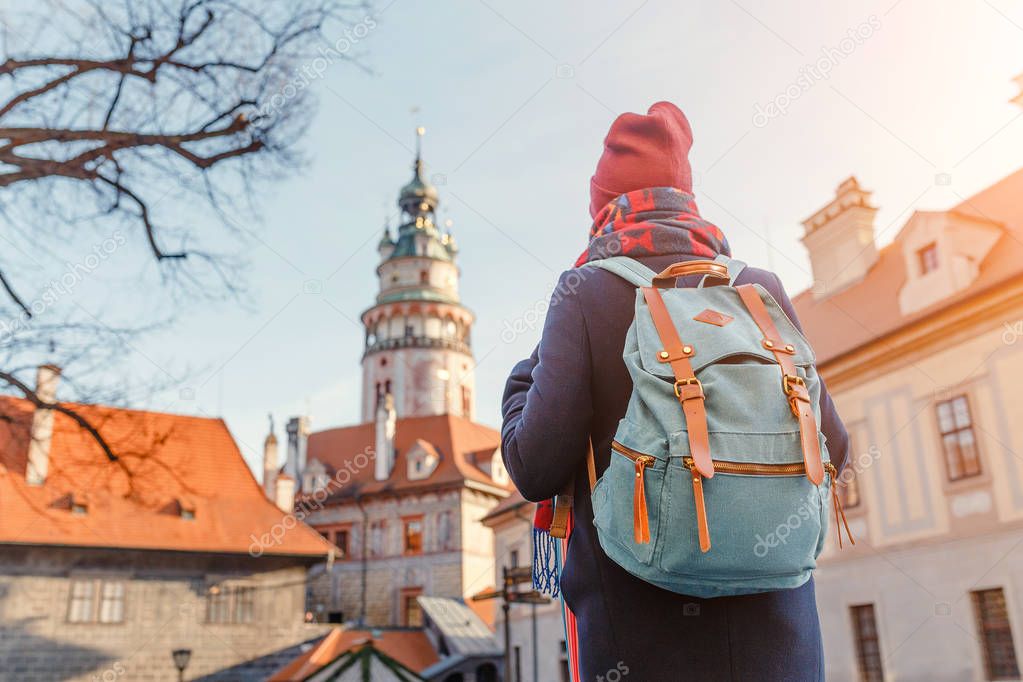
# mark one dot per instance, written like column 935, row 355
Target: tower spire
column 418, row 330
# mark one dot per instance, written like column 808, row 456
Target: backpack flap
column 714, row 322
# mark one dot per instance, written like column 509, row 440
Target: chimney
column 41, row 435
column 284, row 493
column 270, row 462
column 840, row 239
column 298, row 437
column 386, row 422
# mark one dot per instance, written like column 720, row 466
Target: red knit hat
column 643, row 151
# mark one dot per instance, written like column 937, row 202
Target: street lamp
column 181, row 658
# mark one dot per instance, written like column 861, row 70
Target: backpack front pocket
column 627, row 501
column 749, row 521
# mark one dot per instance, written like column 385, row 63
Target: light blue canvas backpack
column 719, row 474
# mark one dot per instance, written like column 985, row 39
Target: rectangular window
column 928, row 258
column 80, row 605
column 868, row 645
column 848, row 481
column 446, row 531
column 229, row 605
column 958, row 442
column 466, row 401
column 413, row 535
column 377, row 533
column 244, row 604
column 341, row 539
column 96, row 600
column 995, row 634
column 411, row 614
column 111, row 603
column 849, row 489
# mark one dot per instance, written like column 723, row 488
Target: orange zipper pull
column 640, row 518
column 701, row 509
column 837, row 503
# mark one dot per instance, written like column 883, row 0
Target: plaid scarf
column 653, row 222
column 647, row 222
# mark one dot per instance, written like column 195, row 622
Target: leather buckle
column 795, row 389
column 683, row 391
column 788, row 384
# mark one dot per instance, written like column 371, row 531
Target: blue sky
column 516, row 99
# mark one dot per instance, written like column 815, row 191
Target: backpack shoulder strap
column 632, row 271
column 734, row 266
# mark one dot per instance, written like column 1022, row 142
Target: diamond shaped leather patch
column 713, row 317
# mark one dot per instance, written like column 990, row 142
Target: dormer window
column 78, row 503
column 422, row 461
column 927, row 257
column 186, row 508
column 497, row 470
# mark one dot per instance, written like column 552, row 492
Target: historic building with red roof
column 107, row 566
column 921, row 344
column 401, row 494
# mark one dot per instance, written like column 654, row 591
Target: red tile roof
column 869, row 309
column 166, row 462
column 347, row 453
column 411, row 648
column 509, row 504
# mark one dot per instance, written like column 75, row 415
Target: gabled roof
column 167, row 463
column 347, row 452
column 404, row 653
column 869, row 309
column 510, row 504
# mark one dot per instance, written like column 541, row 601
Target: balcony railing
column 418, row 342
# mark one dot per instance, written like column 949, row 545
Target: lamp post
column 181, row 658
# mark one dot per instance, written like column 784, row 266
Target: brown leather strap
column 703, row 528
column 792, row 384
column 591, row 467
column 565, row 500
column 667, row 277
column 640, row 517
column 563, row 503
column 688, row 388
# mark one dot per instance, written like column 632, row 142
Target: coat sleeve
column 547, row 403
column 831, row 424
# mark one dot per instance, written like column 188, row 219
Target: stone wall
column 456, row 567
column 165, row 608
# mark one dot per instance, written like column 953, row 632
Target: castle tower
column 418, row 332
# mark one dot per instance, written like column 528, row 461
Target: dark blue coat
column 576, row 386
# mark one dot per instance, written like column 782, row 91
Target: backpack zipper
column 754, row 469
column 640, row 516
